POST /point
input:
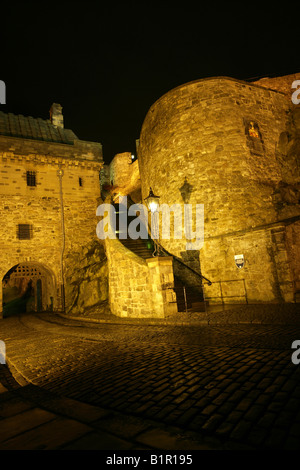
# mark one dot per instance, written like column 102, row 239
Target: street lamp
column 152, row 203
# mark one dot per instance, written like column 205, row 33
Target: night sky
column 107, row 63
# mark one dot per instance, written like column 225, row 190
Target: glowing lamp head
column 152, row 201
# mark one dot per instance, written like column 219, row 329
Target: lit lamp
column 152, row 203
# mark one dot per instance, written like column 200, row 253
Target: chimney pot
column 56, row 115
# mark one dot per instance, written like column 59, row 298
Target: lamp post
column 152, row 203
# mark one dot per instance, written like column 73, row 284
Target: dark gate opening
column 27, row 287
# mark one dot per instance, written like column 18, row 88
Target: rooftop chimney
column 56, row 115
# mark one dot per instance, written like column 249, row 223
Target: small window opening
column 24, row 232
column 31, row 178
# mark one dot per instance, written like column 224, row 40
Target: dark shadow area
column 28, row 287
column 186, row 191
column 18, row 304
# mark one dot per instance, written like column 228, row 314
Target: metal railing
column 223, row 296
column 185, row 265
column 166, row 252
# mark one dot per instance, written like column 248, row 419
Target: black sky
column 107, row 63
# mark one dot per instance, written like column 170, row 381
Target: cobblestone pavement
column 158, row 387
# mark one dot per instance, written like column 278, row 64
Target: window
column 31, row 178
column 80, row 182
column 24, row 231
column 254, row 138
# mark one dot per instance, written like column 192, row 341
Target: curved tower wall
column 217, row 138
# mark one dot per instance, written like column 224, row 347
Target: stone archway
column 28, row 287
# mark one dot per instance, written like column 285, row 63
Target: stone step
column 138, row 247
column 184, row 300
column 194, row 307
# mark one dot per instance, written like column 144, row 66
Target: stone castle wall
column 42, row 206
column 230, row 145
column 214, row 142
column 125, row 176
column 282, row 84
column 139, row 288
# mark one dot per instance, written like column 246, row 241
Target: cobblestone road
column 232, row 383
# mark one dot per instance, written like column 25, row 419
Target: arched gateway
column 28, row 287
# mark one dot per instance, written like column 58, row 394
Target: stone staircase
column 189, row 297
column 142, row 248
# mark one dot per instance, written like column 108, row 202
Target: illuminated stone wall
column 230, row 145
column 139, row 288
column 282, row 84
column 125, row 176
column 218, row 139
column 86, row 280
column 42, row 206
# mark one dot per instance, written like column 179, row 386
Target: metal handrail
column 188, row 267
column 222, row 296
column 129, row 201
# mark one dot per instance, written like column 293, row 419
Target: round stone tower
column 213, row 142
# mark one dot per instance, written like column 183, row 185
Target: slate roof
column 27, row 127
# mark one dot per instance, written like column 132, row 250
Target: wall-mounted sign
column 239, row 261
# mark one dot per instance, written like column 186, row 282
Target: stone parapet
column 162, row 284
column 139, row 288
